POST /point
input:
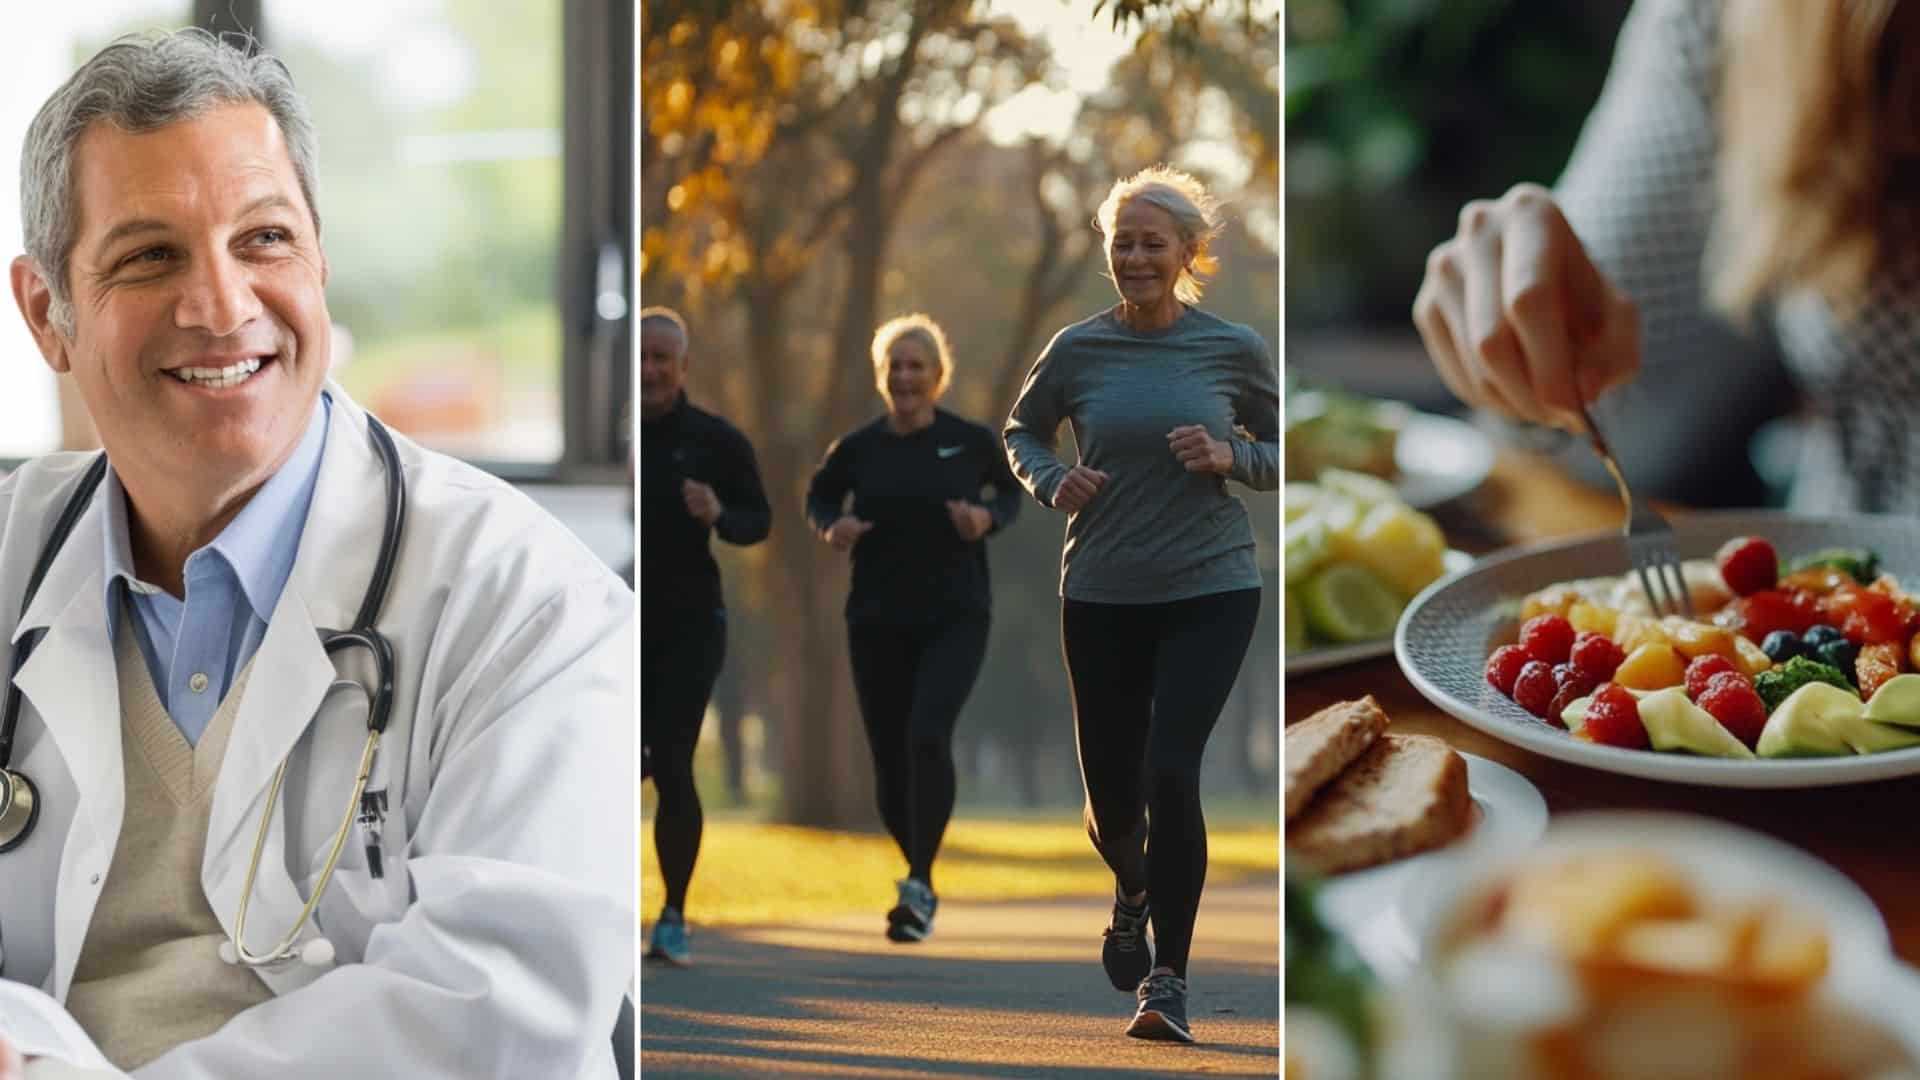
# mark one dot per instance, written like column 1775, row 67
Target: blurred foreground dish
column 1614, row 963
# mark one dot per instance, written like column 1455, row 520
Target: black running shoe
column 1127, row 954
column 912, row 917
column 1163, row 1009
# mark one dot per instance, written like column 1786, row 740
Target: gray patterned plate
column 1445, row 635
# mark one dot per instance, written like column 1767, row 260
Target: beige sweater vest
column 150, row 975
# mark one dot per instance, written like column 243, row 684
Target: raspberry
column 1504, row 666
column 1566, row 675
column 1562, row 698
column 1704, row 667
column 1748, row 564
column 1731, row 699
column 1534, row 689
column 1613, row 719
column 1597, row 655
column 1547, row 638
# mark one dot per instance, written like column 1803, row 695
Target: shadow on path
column 1000, row 990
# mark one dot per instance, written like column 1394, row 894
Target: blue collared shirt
column 196, row 646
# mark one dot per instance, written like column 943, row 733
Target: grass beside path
column 754, row 873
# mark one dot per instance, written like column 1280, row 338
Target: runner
column 918, row 608
column 1159, row 586
column 697, row 476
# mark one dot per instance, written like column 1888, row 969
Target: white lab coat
column 500, row 940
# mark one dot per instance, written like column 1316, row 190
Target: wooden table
column 1870, row 832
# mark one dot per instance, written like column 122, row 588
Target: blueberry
column 1840, row 654
column 1821, row 635
column 1782, row 646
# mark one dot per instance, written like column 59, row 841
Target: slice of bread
column 1406, row 794
column 1327, row 742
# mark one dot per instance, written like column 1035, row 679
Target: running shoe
column 912, row 917
column 1163, row 1009
column 670, row 939
column 1127, row 954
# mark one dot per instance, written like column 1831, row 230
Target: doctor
column 202, row 767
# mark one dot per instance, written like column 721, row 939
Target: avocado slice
column 1897, row 702
column 1820, row 719
column 1674, row 723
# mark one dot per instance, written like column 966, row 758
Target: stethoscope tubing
column 19, row 799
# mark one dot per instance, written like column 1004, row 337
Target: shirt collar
column 258, row 545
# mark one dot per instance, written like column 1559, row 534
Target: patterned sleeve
column 1639, row 192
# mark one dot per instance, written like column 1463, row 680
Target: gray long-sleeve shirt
column 1155, row 532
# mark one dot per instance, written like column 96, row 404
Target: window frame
column 595, row 241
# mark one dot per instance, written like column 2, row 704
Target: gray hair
column 1185, row 197
column 140, row 83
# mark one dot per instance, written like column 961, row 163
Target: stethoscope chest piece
column 19, row 809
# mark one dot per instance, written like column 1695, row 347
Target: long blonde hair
column 1820, row 139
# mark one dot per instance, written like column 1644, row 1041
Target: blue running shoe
column 670, row 939
column 1127, row 954
column 912, row 917
column 1163, row 1009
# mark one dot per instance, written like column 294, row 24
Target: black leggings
column 1149, row 681
column 677, row 671
column 911, row 681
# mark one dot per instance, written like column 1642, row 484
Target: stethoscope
column 20, row 800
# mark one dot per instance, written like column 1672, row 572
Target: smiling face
column 663, row 366
column 911, row 382
column 201, row 333
column 1145, row 254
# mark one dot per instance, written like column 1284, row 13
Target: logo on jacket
column 949, row 451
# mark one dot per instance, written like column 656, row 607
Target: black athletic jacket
column 678, row 576
column 913, row 566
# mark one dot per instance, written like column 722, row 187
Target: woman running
column 918, row 608
column 697, row 477
column 1159, row 587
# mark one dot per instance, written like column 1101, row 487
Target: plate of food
column 1368, row 811
column 1429, row 459
column 1355, row 554
column 1796, row 670
column 1629, row 944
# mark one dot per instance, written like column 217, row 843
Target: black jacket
column 678, row 576
column 913, row 566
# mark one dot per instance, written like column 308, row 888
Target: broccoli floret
column 1776, row 685
column 1862, row 564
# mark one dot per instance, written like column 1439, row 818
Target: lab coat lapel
column 291, row 673
column 71, row 683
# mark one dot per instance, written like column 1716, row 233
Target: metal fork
column 1649, row 539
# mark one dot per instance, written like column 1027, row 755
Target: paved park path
column 1008, row 990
